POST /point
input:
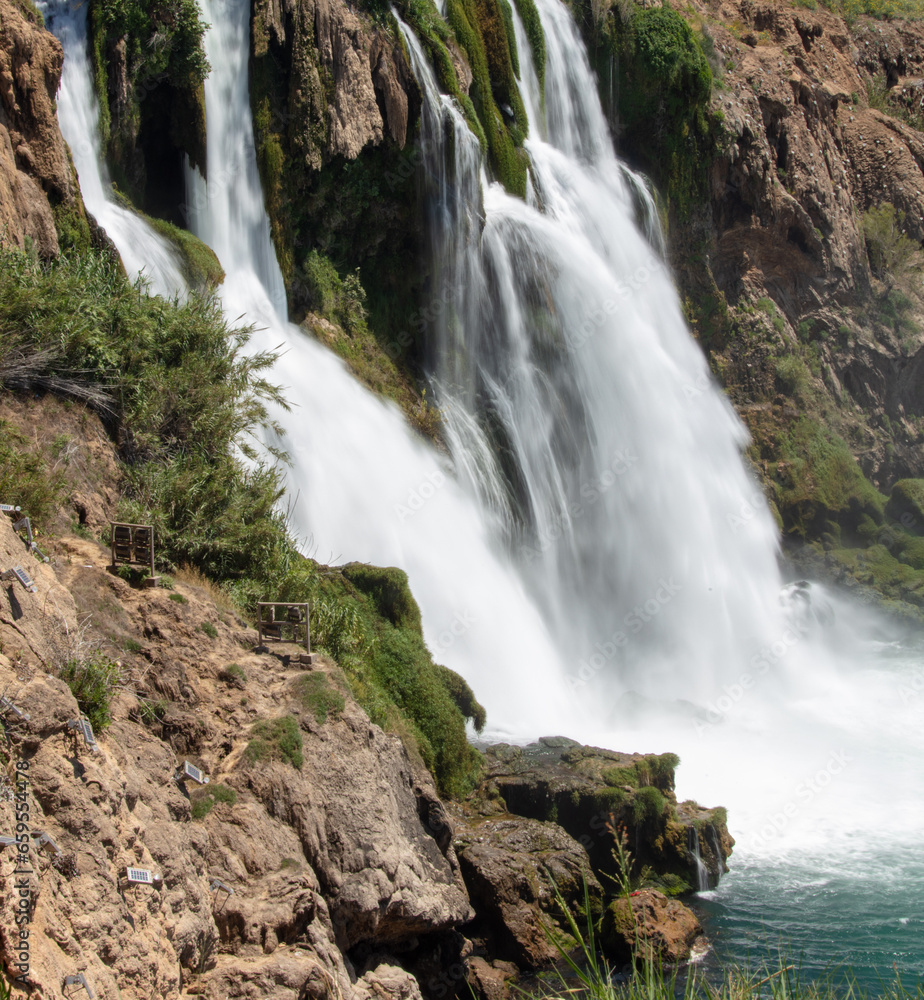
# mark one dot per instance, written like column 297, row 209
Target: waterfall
column 702, row 872
column 593, row 558
column 579, row 410
column 143, row 251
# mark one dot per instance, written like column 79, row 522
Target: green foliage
column 663, row 97
column 906, row 505
column 152, row 712
column 669, row 883
column 532, row 23
column 234, row 674
column 26, row 480
column 209, row 629
column 889, row 248
column 794, row 379
column 851, row 10
column 93, row 682
column 163, row 41
column 276, row 739
column 177, row 599
column 319, row 697
column 654, row 769
column 367, row 619
column 342, row 301
column 203, row 800
column 820, row 481
column 481, row 32
column 649, row 805
column 201, row 267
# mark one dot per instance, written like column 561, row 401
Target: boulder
column 512, row 868
column 653, row 928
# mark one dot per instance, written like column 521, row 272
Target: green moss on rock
column 662, row 95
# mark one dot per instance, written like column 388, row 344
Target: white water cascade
column 578, row 408
column 594, row 559
column 143, row 251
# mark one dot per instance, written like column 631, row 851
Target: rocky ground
column 350, row 877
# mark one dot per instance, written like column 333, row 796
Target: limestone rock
column 512, row 867
column 654, row 928
column 34, row 164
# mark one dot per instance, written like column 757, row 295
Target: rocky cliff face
column 821, row 124
column 331, row 865
column 35, row 170
column 338, row 868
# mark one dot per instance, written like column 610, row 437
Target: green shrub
column 93, row 682
column 203, row 800
column 179, row 393
column 209, row 629
column 662, row 96
column 648, row 805
column 319, row 697
column 276, row 739
column 152, row 712
column 177, row 598
column 889, row 248
column 27, row 479
column 234, row 674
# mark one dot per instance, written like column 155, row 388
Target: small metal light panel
column 18, row 573
column 83, row 725
column 141, row 876
column 190, row 771
column 80, row 980
column 218, row 884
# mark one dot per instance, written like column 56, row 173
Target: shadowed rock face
column 35, row 171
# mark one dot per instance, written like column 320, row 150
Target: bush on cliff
column 177, row 392
column 663, row 91
column 367, row 619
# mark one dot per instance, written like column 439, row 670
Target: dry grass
column 189, row 576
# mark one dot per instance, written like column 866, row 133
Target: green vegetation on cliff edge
column 180, row 397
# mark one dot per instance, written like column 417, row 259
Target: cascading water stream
column 596, row 502
column 143, row 251
column 579, row 409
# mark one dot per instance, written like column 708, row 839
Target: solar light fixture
column 190, row 771
column 18, row 573
column 82, row 725
column 7, row 841
column 80, row 980
column 140, row 876
column 8, row 508
column 218, row 884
